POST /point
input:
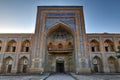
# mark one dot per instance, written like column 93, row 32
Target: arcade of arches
column 22, row 65
column 60, row 44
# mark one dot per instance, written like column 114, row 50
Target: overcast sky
column 19, row 16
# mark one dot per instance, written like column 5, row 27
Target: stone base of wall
column 34, row 70
column 85, row 71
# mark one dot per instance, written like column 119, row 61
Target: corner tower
column 60, row 40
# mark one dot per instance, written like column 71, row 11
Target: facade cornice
column 102, row 34
column 16, row 33
column 60, row 6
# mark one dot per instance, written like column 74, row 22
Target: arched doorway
column 60, row 66
column 97, row 64
column 60, row 44
column 112, row 64
column 23, row 65
column 8, row 63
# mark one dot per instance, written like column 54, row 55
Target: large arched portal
column 60, row 49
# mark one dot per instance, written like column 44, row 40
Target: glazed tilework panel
column 39, row 36
column 110, row 54
column 1, row 39
column 89, row 61
column 108, row 39
column 81, row 35
column 83, row 63
column 50, row 22
column 97, row 39
column 26, row 39
column 96, row 54
column 76, row 56
column 60, row 15
column 0, row 57
column 36, row 63
column 9, row 39
column 43, row 59
column 9, row 55
column 89, row 65
column 24, row 55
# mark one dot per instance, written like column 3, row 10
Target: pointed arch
column 11, row 46
column 112, row 64
column 24, row 57
column 94, row 46
column 97, row 64
column 60, row 25
column 25, row 46
column 23, row 64
column 59, row 39
column 108, row 45
column 7, row 64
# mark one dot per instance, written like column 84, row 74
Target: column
column 119, row 64
column 104, row 58
column 4, row 45
column 116, row 48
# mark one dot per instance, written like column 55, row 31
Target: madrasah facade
column 60, row 44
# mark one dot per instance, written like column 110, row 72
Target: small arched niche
column 11, row 46
column 94, row 46
column 26, row 46
column 108, row 46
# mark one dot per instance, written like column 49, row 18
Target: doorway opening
column 9, row 68
column 24, row 68
column 60, row 66
column 95, row 67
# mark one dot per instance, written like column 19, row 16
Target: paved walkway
column 60, row 76
column 22, row 77
column 63, row 77
column 97, row 77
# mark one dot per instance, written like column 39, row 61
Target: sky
column 19, row 16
